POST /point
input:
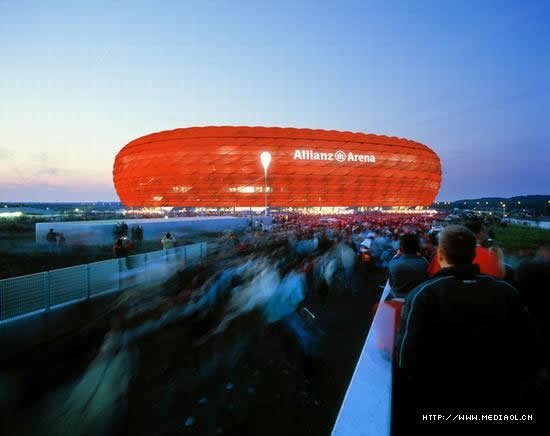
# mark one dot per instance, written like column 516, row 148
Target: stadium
column 221, row 167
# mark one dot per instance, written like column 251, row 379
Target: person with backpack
column 121, row 247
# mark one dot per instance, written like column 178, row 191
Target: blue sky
column 79, row 80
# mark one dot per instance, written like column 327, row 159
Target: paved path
column 250, row 380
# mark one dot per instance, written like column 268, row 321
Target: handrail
column 34, row 293
column 366, row 408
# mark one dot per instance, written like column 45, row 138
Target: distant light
column 11, row 214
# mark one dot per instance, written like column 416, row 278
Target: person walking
column 168, row 241
column 122, row 246
column 51, row 238
column 408, row 268
column 61, row 243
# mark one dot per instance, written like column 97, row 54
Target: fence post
column 88, row 281
column 47, row 291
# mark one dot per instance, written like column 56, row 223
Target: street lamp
column 265, row 158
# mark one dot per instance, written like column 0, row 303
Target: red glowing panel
column 220, row 166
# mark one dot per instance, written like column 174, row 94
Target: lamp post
column 265, row 158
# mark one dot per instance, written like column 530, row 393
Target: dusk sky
column 79, row 80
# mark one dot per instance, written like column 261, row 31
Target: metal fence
column 44, row 291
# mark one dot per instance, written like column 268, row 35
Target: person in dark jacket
column 51, row 238
column 461, row 341
column 122, row 246
column 533, row 282
column 408, row 268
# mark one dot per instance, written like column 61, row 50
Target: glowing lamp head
column 265, row 158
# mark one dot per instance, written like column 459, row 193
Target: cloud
column 39, row 175
column 18, row 192
column 5, row 154
column 52, row 171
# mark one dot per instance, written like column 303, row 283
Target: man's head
column 476, row 226
column 409, row 243
column 457, row 246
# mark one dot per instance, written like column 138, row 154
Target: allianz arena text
column 221, row 167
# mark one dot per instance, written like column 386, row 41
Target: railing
column 366, row 409
column 20, row 296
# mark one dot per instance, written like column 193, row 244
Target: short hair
column 458, row 244
column 475, row 225
column 409, row 243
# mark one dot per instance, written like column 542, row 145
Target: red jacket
column 485, row 259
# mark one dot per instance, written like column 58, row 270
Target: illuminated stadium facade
column 221, row 167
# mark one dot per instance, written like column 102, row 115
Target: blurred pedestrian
column 51, row 238
column 61, row 243
column 122, row 246
column 168, row 241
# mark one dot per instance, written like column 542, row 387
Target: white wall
column 101, row 232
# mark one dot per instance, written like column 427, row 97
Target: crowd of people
column 474, row 331
column 465, row 324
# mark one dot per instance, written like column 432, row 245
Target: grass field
column 515, row 238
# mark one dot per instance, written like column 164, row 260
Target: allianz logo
column 338, row 156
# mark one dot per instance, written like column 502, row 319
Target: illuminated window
column 248, row 189
column 180, row 189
